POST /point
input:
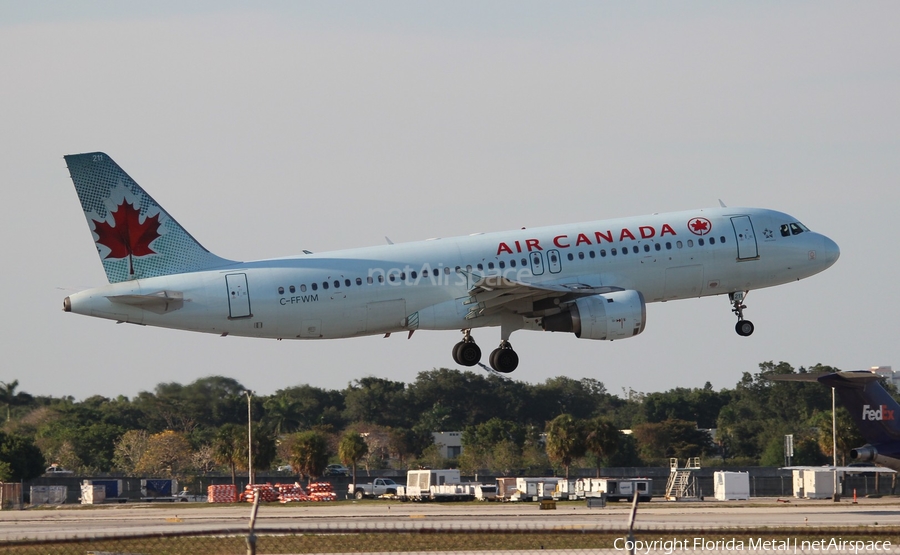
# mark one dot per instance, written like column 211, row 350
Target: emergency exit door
column 238, row 296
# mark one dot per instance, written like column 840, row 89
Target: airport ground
column 712, row 517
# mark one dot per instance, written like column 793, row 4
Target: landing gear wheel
column 504, row 360
column 468, row 353
column 744, row 328
column 456, row 349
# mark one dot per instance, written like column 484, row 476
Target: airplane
column 876, row 413
column 592, row 279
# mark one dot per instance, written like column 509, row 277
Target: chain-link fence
column 408, row 538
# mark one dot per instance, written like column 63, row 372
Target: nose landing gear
column 743, row 327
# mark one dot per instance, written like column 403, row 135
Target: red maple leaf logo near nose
column 699, row 226
column 127, row 236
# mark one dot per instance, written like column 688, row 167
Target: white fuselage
column 399, row 287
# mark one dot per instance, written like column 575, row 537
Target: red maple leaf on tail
column 127, row 236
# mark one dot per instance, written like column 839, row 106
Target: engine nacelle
column 866, row 453
column 609, row 316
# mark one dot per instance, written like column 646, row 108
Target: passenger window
column 635, row 250
column 581, row 256
column 690, row 242
column 281, row 290
column 447, row 270
column 646, row 248
column 303, row 288
column 624, row 250
column 668, row 245
column 358, row 281
column 292, row 289
column 346, row 283
column 722, row 239
column 479, row 266
column 700, row 242
column 512, row 263
column 553, row 258
column 679, row 244
column 337, row 284
column 592, row 254
column 435, row 272
column 369, row 280
column 570, row 256
column 712, row 240
column 324, row 285
column 380, row 278
column 524, row 262
column 602, row 253
column 392, row 277
column 785, row 230
column 413, row 274
column 612, row 251
column 468, row 267
column 502, row 264
column 490, row 265
column 315, row 286
column 657, row 246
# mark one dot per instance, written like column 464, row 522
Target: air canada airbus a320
column 592, row 279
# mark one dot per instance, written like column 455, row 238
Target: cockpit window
column 795, row 228
column 798, row 228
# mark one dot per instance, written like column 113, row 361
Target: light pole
column 249, row 439
column 835, row 496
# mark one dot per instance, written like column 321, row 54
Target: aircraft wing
column 489, row 295
column 853, row 378
column 851, row 469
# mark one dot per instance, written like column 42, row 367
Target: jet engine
column 609, row 316
column 867, row 453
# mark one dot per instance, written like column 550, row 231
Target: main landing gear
column 503, row 359
column 743, row 327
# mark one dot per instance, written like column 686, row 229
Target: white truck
column 380, row 486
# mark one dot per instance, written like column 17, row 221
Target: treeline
column 508, row 426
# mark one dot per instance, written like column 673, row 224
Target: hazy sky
column 282, row 126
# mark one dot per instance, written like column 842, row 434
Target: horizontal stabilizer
column 160, row 303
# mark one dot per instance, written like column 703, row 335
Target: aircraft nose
column 829, row 252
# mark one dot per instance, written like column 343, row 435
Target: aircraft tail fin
column 873, row 409
column 135, row 237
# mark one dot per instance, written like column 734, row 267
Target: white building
column 449, row 443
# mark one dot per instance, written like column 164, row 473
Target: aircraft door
column 554, row 261
column 537, row 263
column 746, row 238
column 238, row 296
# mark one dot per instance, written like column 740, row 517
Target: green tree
column 565, row 440
column 658, row 441
column 129, row 449
column 351, row 449
column 168, row 455
column 230, row 448
column 10, row 398
column 309, row 453
column 601, row 439
column 20, row 459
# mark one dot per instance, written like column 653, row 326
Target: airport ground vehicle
column 380, row 486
